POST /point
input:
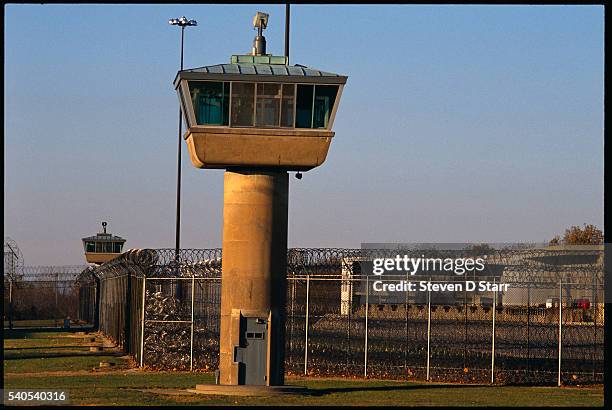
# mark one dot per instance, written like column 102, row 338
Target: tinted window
column 287, row 104
column 325, row 96
column 210, row 102
column 268, row 105
column 243, row 106
column 303, row 114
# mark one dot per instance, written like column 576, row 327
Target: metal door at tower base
column 252, row 353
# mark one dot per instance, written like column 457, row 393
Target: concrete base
column 244, row 390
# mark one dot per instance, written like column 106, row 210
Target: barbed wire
column 13, row 260
column 538, row 267
column 532, row 267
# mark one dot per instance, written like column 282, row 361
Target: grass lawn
column 36, row 323
column 49, row 360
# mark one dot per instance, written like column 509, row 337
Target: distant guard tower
column 257, row 118
column 102, row 247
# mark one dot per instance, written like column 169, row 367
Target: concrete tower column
column 253, row 284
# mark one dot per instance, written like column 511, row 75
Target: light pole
column 182, row 22
column 287, row 18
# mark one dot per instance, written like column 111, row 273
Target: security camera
column 298, row 175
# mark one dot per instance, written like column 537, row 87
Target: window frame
column 259, row 99
column 88, row 243
column 294, row 105
column 229, row 125
column 332, row 111
column 189, row 111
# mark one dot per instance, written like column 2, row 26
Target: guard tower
column 102, row 247
column 258, row 118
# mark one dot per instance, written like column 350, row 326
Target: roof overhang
column 277, row 73
column 258, row 78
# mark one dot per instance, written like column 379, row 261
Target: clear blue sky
column 458, row 123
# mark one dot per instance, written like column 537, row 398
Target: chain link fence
column 43, row 296
column 546, row 328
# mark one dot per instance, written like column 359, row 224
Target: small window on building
column 243, row 105
column 90, row 246
column 325, row 97
column 268, row 105
column 99, row 247
column 108, row 247
column 303, row 115
column 117, row 247
column 210, row 102
column 287, row 104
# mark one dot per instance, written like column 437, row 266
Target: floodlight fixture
column 182, row 22
column 260, row 20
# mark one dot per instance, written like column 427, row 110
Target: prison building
column 577, row 267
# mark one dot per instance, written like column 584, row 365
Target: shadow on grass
column 24, row 333
column 331, row 390
column 47, row 355
column 47, row 347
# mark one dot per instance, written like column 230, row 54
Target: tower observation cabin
column 258, row 111
column 103, row 246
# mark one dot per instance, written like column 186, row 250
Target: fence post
column 465, row 324
column 493, row 335
column 406, row 328
column 348, row 325
column 560, row 326
column 292, row 279
column 306, row 333
column 428, row 328
column 594, row 308
column 528, row 320
column 10, row 312
column 142, row 322
column 97, row 305
column 56, row 294
column 192, row 315
column 127, row 317
column 365, row 358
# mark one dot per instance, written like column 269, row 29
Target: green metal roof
column 268, row 59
